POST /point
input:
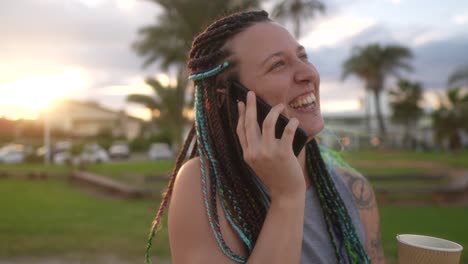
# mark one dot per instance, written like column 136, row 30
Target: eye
column 304, row 57
column 277, row 65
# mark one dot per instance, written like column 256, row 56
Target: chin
column 313, row 128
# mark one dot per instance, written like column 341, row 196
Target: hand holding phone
column 239, row 93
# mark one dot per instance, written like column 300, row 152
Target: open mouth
column 304, row 101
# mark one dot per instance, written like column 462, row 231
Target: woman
column 243, row 196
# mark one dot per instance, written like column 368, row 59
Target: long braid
column 337, row 219
column 232, row 180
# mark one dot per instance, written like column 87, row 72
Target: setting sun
column 36, row 92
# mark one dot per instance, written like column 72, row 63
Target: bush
column 141, row 144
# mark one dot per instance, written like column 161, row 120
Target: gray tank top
column 316, row 245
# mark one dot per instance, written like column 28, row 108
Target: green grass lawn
column 160, row 167
column 458, row 160
column 135, row 173
column 55, row 218
column 35, row 167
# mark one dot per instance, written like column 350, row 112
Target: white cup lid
column 428, row 242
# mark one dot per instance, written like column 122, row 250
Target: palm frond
column 460, row 76
column 145, row 100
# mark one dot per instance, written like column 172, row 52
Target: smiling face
column 273, row 65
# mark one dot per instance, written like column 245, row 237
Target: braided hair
column 224, row 173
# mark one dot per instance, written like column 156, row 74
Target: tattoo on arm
column 376, row 252
column 361, row 190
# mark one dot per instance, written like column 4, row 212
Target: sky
column 81, row 49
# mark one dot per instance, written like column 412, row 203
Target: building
column 87, row 119
column 351, row 130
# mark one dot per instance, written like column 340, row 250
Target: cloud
column 427, row 37
column 461, row 19
column 433, row 62
column 332, row 31
column 92, row 34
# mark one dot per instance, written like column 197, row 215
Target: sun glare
column 37, row 92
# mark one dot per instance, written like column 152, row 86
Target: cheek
column 273, row 91
column 274, row 95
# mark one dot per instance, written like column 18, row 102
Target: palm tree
column 373, row 63
column 460, row 76
column 166, row 106
column 404, row 101
column 452, row 117
column 297, row 11
column 168, row 42
column 170, row 37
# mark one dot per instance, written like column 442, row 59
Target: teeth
column 307, row 100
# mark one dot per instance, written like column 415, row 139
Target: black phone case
column 239, row 93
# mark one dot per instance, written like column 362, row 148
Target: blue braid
column 202, row 136
column 212, row 72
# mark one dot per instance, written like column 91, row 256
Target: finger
column 289, row 131
column 252, row 130
column 241, row 125
column 269, row 124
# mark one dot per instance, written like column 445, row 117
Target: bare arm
column 367, row 204
column 280, row 240
column 274, row 162
column 192, row 240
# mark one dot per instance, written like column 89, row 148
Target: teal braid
column 210, row 152
column 339, row 224
column 206, row 149
column 212, row 72
column 333, row 158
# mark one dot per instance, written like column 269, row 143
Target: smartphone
column 239, row 93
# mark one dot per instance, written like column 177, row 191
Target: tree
column 170, row 37
column 404, row 101
column 166, row 106
column 168, row 42
column 297, row 11
column 451, row 118
column 460, row 76
column 373, row 63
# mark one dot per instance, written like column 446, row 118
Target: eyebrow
column 279, row 53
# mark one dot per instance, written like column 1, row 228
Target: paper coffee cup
column 419, row 249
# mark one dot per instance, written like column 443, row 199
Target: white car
column 119, row 150
column 94, row 154
column 12, row 153
column 62, row 157
column 160, row 151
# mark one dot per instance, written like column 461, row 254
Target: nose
column 306, row 73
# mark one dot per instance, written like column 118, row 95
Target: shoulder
column 359, row 186
column 190, row 235
column 366, row 202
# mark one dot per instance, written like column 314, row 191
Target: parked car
column 94, row 154
column 58, row 154
column 13, row 153
column 119, row 150
column 62, row 157
column 159, row 151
